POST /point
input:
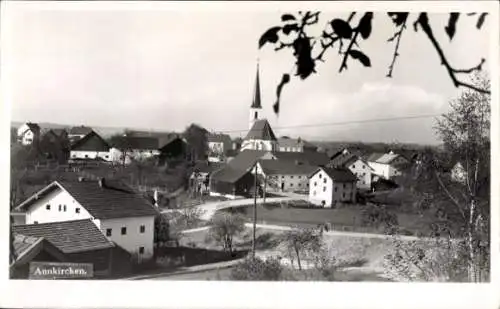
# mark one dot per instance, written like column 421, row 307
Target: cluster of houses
column 107, row 223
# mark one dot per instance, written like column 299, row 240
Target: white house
column 91, row 146
column 28, row 133
column 122, row 215
column 359, row 167
column 285, row 176
column 386, row 165
column 218, row 146
column 287, row 144
column 327, row 186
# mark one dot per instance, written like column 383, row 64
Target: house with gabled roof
column 328, row 186
column 387, row 165
column 91, row 147
column 122, row 215
column 79, row 241
column 28, row 133
column 358, row 166
column 79, row 132
column 29, row 249
column 287, row 144
column 218, row 146
column 285, row 175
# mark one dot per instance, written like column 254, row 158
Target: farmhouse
column 218, row 146
column 121, row 214
column 79, row 241
column 285, row 175
column 327, row 186
column 359, row 167
column 28, row 133
column 200, row 177
column 91, row 146
column 387, row 165
column 287, row 144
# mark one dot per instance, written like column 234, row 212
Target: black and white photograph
column 171, row 143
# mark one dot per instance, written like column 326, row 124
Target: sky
column 156, row 69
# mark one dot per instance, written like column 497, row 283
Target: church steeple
column 256, row 96
column 256, row 107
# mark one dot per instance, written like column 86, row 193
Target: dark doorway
column 282, row 186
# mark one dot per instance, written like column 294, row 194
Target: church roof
column 261, row 130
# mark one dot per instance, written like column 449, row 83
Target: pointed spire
column 256, row 97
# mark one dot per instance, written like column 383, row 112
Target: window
column 291, row 185
column 124, row 231
column 354, row 166
column 64, row 207
column 107, row 157
column 73, row 155
column 282, row 177
column 47, row 207
column 142, row 229
column 60, row 207
column 324, row 189
column 86, row 156
column 315, row 183
column 343, row 195
column 109, row 232
column 320, row 175
column 291, row 177
column 307, row 184
column 255, row 115
column 324, row 180
column 300, row 177
column 363, row 166
column 344, row 186
column 141, row 250
column 300, row 185
column 77, row 210
column 335, row 188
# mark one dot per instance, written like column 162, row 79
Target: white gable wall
column 38, row 212
column 133, row 239
column 323, row 188
column 363, row 172
column 257, row 144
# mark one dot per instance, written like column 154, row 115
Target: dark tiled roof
column 338, row 174
column 228, row 174
column 311, row 158
column 81, row 130
column 374, row 157
column 68, row 236
column 342, row 160
column 142, row 143
column 33, row 126
column 246, row 159
column 91, row 142
column 114, row 200
column 27, row 247
column 261, row 130
column 279, row 167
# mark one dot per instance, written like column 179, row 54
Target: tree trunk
column 298, row 258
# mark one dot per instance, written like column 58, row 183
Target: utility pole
column 254, row 211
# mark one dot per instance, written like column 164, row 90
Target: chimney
column 102, row 183
column 155, row 197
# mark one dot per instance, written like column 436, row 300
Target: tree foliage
column 256, row 269
column 460, row 208
column 346, row 36
column 224, row 227
column 197, row 140
column 302, row 243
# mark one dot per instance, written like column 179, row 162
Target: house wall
column 363, row 172
column 253, row 144
column 40, row 214
column 82, row 154
column 133, row 239
column 291, row 148
column 380, row 169
column 323, row 188
column 25, row 135
column 289, row 182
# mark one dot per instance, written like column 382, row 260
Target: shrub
column 256, row 269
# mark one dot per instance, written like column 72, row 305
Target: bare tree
column 224, row 227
